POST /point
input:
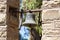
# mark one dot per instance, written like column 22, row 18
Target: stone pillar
column 51, row 20
column 3, row 26
column 12, row 19
column 9, row 20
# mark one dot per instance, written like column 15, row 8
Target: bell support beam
column 36, row 10
column 25, row 11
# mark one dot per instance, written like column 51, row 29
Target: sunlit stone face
column 3, row 26
column 2, row 17
column 51, row 20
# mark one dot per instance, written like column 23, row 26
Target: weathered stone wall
column 3, row 26
column 51, row 20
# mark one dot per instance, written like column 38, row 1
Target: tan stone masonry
column 51, row 20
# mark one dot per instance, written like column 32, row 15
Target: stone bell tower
column 9, row 19
column 51, row 20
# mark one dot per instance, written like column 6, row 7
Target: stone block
column 50, row 15
column 51, row 4
column 3, row 32
column 51, row 31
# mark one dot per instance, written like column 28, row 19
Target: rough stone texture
column 3, row 26
column 51, row 20
column 8, row 22
column 12, row 20
column 51, row 4
column 51, row 14
column 3, row 32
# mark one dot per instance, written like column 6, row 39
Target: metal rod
column 36, row 10
column 24, row 11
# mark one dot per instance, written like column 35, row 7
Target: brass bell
column 29, row 20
